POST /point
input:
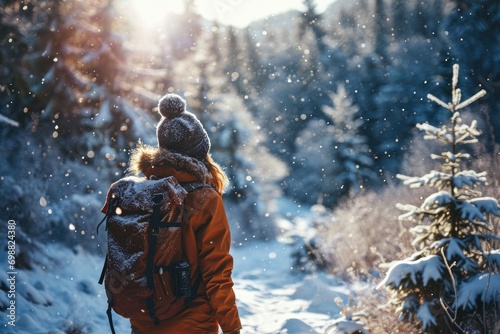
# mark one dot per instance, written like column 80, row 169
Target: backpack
column 145, row 275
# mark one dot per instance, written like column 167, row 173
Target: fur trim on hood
column 144, row 158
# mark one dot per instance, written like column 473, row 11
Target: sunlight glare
column 151, row 14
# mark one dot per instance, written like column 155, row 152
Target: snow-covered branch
column 438, row 101
column 9, row 121
column 470, row 100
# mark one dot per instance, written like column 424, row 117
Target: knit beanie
column 179, row 131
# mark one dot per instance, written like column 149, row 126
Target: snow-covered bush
column 450, row 283
column 351, row 323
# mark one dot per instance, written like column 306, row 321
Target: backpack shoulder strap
column 153, row 238
column 192, row 186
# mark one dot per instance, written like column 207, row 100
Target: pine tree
column 14, row 22
column 351, row 155
column 49, row 84
column 310, row 71
column 420, row 19
column 72, row 80
column 435, row 17
column 373, row 77
column 252, row 73
column 381, row 33
column 333, row 159
column 399, row 19
column 451, row 283
column 310, row 19
column 69, row 92
column 233, row 60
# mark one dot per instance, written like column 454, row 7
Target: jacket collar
column 154, row 161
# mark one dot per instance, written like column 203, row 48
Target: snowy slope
column 61, row 299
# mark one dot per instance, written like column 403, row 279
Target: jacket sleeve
column 216, row 264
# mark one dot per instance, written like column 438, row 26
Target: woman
column 183, row 152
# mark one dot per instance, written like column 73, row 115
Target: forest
column 322, row 110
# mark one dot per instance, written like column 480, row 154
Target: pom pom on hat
column 179, row 130
column 171, row 106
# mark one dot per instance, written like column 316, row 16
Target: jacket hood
column 154, row 161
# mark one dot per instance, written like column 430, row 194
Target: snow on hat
column 179, row 131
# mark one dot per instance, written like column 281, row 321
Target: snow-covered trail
column 272, row 299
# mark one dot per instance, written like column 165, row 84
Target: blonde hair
column 219, row 178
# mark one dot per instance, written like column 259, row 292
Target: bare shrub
column 365, row 232
column 382, row 316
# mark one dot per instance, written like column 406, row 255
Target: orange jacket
column 206, row 247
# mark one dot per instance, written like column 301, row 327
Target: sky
column 238, row 13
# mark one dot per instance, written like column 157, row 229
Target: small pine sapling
column 452, row 282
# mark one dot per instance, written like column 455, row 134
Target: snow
column 481, row 288
column 469, row 178
column 424, row 314
column 62, row 294
column 440, row 199
column 425, row 269
column 494, row 258
column 415, row 182
column 455, row 249
column 471, row 210
column 274, row 300
column 488, row 205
